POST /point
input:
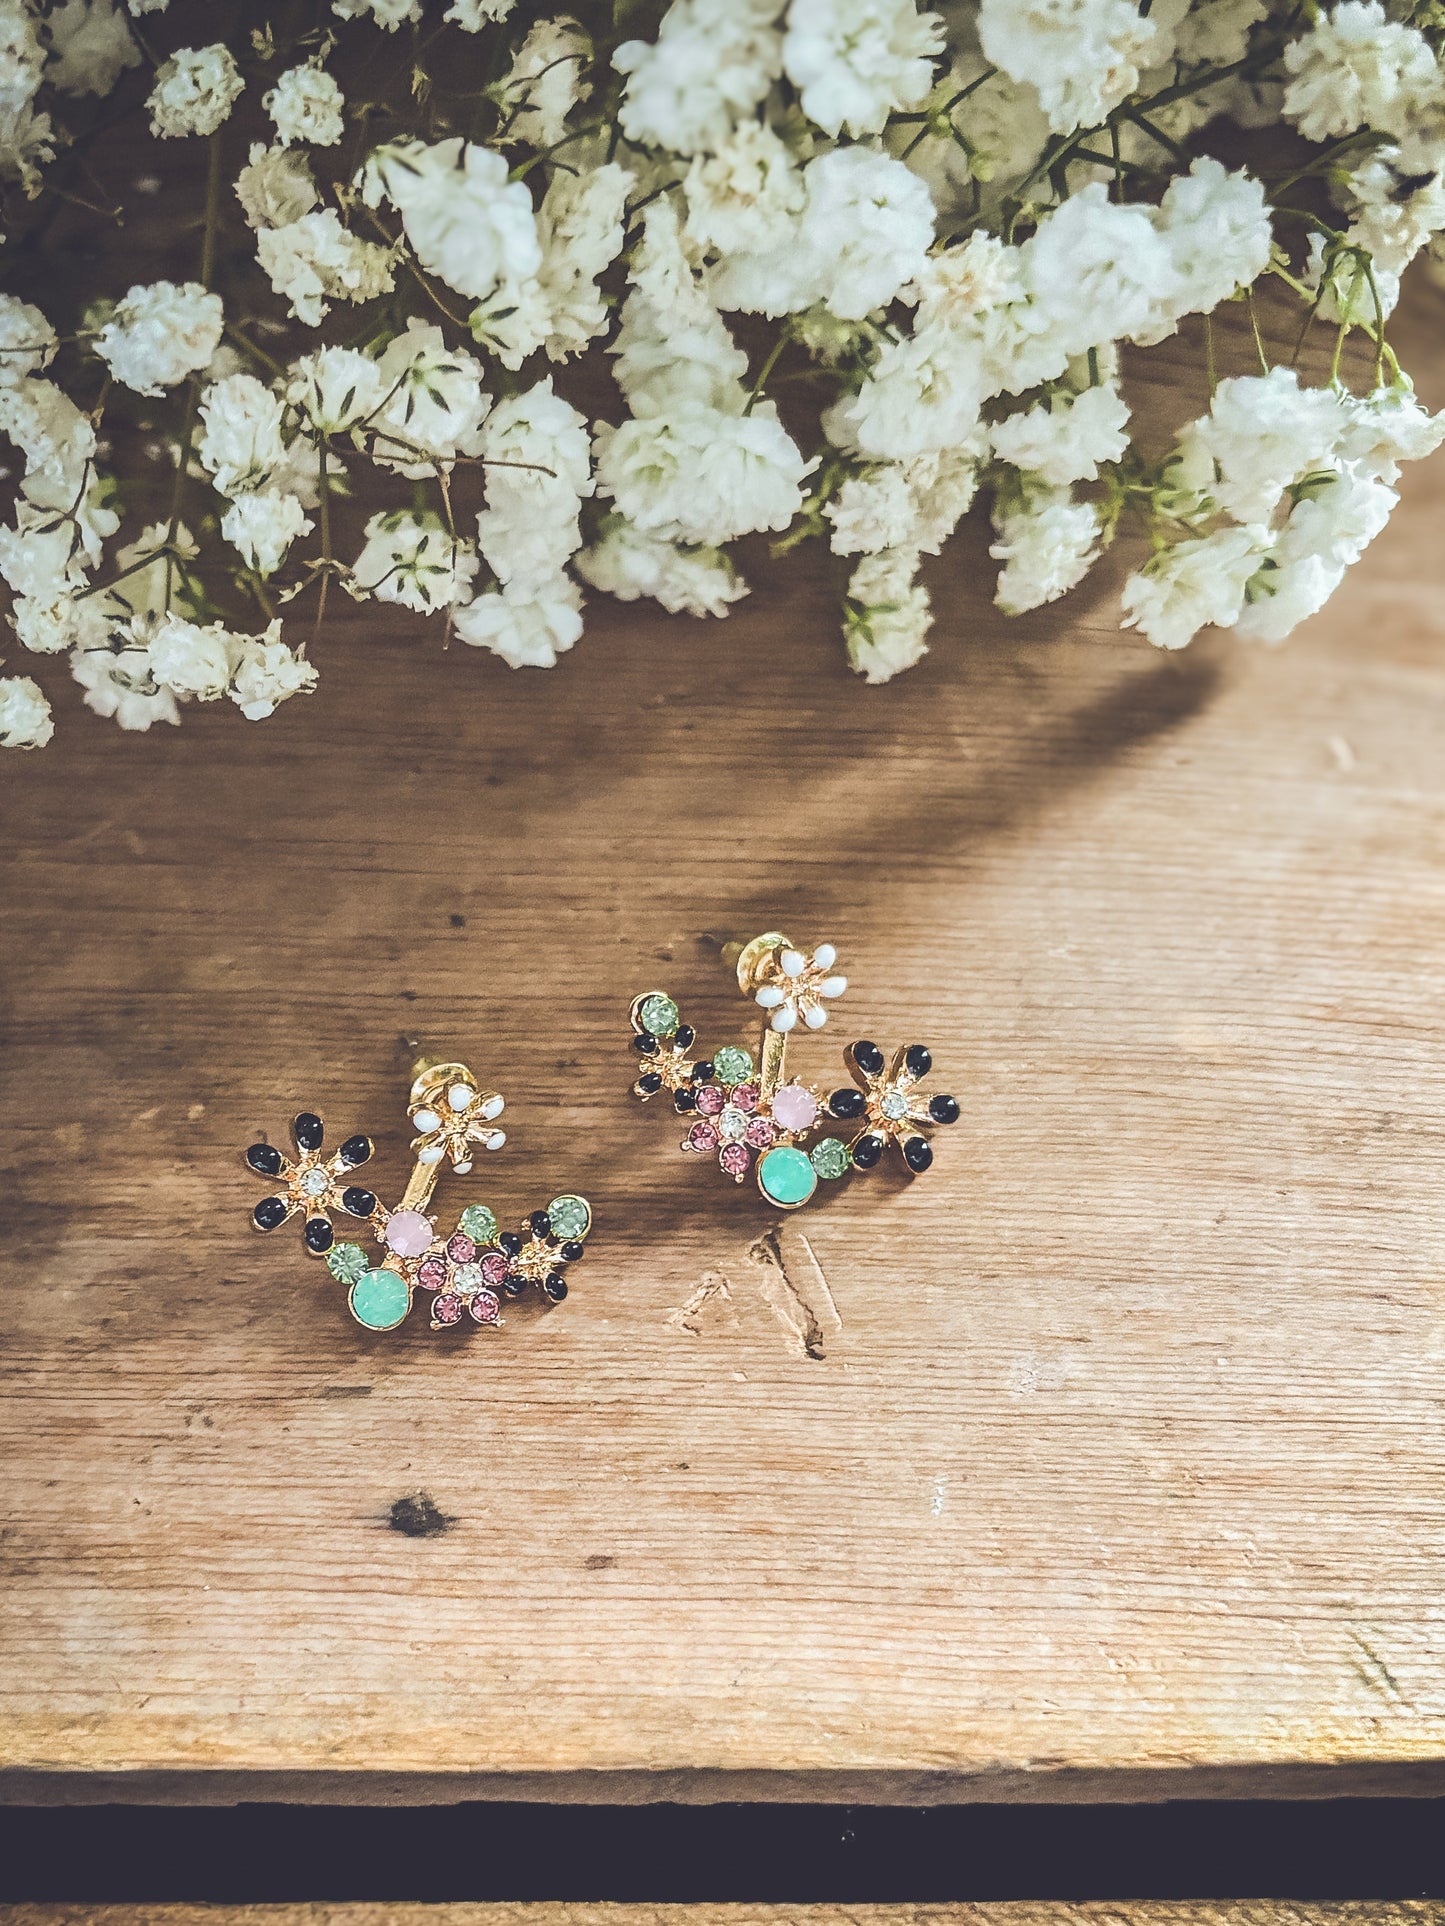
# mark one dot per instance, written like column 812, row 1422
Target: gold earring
column 751, row 1115
column 466, row 1274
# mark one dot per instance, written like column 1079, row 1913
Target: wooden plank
column 1181, row 1912
column 1103, row 1462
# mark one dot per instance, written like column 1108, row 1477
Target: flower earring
column 469, row 1273
column 753, row 1116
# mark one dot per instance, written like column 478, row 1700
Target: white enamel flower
column 800, row 988
column 456, row 1119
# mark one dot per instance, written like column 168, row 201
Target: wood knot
column 417, row 1516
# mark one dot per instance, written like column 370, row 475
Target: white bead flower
column 459, row 1117
column 801, row 987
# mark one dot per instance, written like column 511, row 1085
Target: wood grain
column 1177, row 1912
column 1105, row 1462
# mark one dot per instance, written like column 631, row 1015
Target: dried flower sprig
column 951, row 224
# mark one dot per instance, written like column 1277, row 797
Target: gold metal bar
column 419, row 1186
column 771, row 1074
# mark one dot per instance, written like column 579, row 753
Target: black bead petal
column 308, row 1131
column 868, row 1057
column 847, row 1102
column 917, row 1153
column 319, row 1236
column 650, row 1082
column 684, row 1036
column 683, row 1100
column 357, row 1199
column 943, row 1109
column 570, row 1252
column 541, row 1224
column 270, row 1212
column 868, row 1150
column 556, row 1287
column 703, row 1072
column 645, row 1042
column 266, row 1158
column 513, row 1284
column 509, row 1243
column 356, row 1150
column 917, row 1061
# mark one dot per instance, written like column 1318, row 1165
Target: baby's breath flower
column 25, row 721
column 159, row 334
column 90, row 47
column 306, row 105
column 411, row 559
column 275, row 187
column 194, row 91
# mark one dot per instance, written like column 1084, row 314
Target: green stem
column 767, row 368
column 545, row 153
column 323, row 490
column 245, row 342
column 213, row 208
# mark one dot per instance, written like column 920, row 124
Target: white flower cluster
column 931, row 232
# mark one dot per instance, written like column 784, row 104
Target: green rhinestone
column 571, row 1217
column 659, row 1014
column 478, row 1223
column 346, row 1262
column 830, row 1157
column 732, row 1065
column 380, row 1299
column 786, row 1176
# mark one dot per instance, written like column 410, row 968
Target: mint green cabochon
column 659, row 1015
column 346, row 1262
column 830, row 1158
column 380, row 1299
column 787, row 1176
column 478, row 1223
column 732, row 1064
column 571, row 1217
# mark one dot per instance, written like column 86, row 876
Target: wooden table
column 1104, row 1462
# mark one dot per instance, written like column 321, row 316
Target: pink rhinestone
column 461, row 1249
column 795, row 1108
column 447, row 1309
column 735, row 1159
column 710, row 1099
column 408, row 1233
column 759, row 1133
column 431, row 1273
column 486, row 1308
column 495, row 1267
column 745, row 1097
column 703, row 1135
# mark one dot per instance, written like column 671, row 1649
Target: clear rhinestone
column 894, row 1106
column 732, row 1124
column 315, row 1184
column 468, row 1277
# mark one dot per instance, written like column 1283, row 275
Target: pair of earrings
column 748, row 1114
column 466, row 1274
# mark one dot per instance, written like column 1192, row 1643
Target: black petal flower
column 889, row 1105
column 309, row 1184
